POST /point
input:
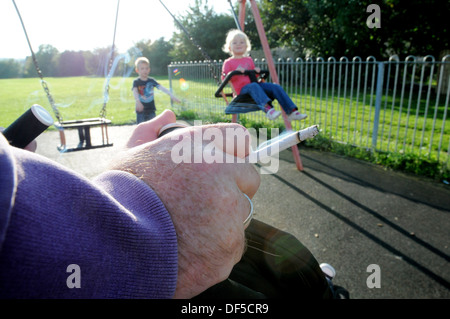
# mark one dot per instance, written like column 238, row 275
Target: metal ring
column 249, row 217
column 170, row 127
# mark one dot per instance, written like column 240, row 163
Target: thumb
column 148, row 131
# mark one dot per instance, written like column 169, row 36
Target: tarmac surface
column 387, row 234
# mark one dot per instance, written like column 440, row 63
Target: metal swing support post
column 270, row 62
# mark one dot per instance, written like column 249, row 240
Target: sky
column 88, row 24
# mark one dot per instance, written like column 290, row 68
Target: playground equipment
column 83, row 125
column 272, row 70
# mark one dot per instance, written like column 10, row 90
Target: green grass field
column 408, row 125
column 75, row 98
column 341, row 118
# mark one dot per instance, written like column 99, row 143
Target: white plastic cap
column 42, row 115
column 328, row 270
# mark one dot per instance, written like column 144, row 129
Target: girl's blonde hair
column 233, row 33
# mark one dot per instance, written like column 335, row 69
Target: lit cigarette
column 269, row 148
column 276, row 145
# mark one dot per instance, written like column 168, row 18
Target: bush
column 409, row 163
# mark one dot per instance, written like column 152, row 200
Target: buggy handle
column 264, row 74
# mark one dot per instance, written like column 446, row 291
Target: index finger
column 236, row 143
column 247, row 178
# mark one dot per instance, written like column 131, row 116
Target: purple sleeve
column 115, row 229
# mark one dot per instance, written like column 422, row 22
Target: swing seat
column 83, row 126
column 242, row 103
column 84, row 133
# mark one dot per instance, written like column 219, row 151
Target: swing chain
column 38, row 70
column 109, row 75
column 110, row 64
column 103, row 110
column 46, row 88
column 51, row 101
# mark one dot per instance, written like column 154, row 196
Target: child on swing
column 238, row 45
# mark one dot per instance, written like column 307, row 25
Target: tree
column 419, row 27
column 71, row 63
column 46, row 58
column 207, row 28
column 158, row 52
column 10, row 68
column 338, row 27
column 285, row 23
column 160, row 55
column 96, row 62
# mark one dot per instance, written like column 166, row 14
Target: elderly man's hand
column 205, row 200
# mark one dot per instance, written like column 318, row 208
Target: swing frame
column 240, row 22
column 269, row 58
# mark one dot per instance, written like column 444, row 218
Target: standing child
column 238, row 46
column 143, row 91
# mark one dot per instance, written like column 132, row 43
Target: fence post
column 379, row 93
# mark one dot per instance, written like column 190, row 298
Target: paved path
column 349, row 213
